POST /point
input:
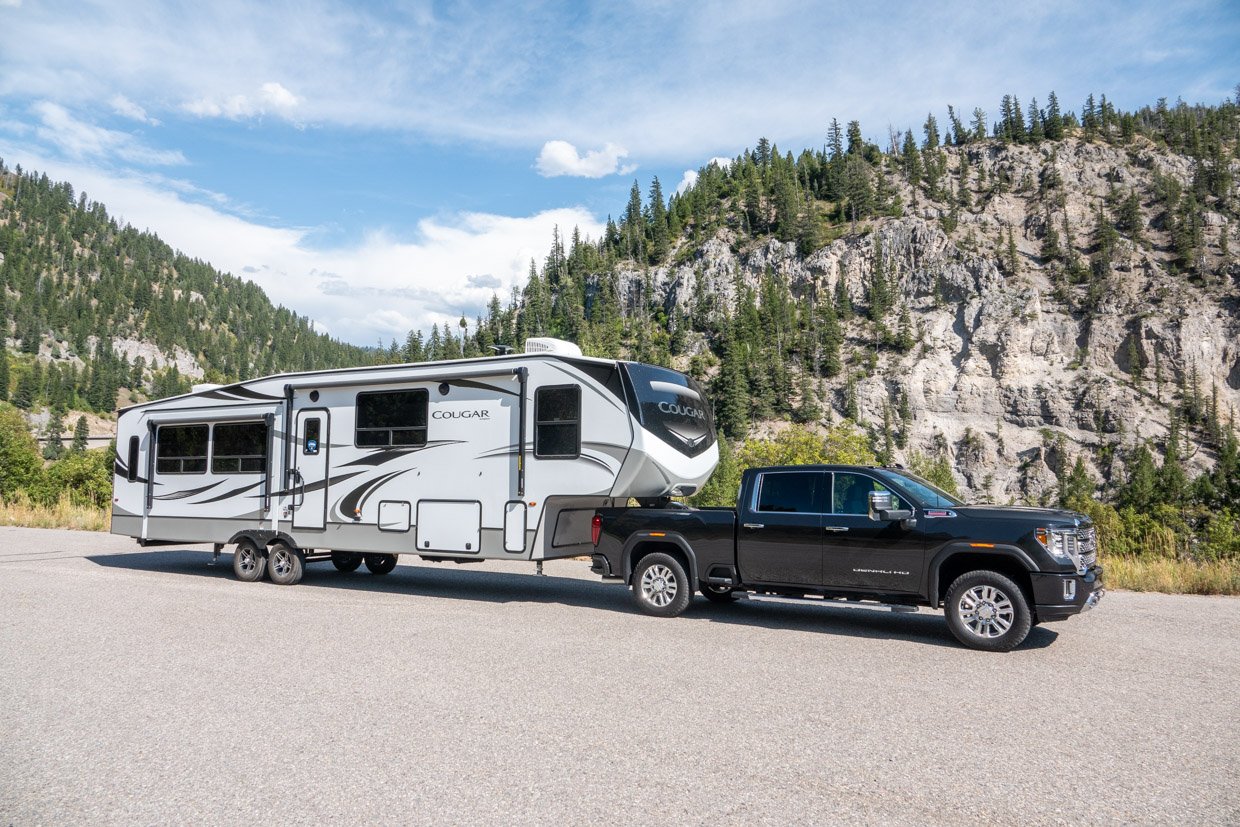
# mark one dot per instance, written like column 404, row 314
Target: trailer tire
column 660, row 585
column 285, row 564
column 346, row 561
column 249, row 562
column 380, row 563
column 717, row 594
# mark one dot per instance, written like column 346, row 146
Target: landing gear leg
column 538, row 568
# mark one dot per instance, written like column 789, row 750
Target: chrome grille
column 1087, row 542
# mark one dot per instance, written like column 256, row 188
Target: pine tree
column 931, row 129
column 54, row 445
column 80, row 434
column 4, row 365
column 659, row 235
column 1141, row 489
column 1077, row 485
column 843, row 301
column 1054, row 119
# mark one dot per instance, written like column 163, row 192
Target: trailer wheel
column 660, row 585
column 717, row 594
column 248, row 561
column 380, row 563
column 285, row 565
column 346, row 561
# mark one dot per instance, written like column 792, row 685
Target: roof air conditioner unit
column 546, row 344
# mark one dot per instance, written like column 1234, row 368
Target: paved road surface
column 145, row 686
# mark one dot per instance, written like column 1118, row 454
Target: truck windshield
column 926, row 492
column 672, row 407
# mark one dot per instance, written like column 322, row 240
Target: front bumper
column 1060, row 596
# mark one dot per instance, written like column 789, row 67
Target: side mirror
column 881, row 510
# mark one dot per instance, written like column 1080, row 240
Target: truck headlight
column 1056, row 543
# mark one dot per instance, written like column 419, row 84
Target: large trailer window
column 557, row 421
column 239, row 448
column 182, row 449
column 673, row 407
column 392, row 418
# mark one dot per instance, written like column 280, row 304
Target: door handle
column 299, row 496
column 835, row 528
column 755, row 525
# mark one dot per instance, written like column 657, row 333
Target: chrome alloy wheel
column 248, row 559
column 986, row 611
column 659, row 585
column 281, row 562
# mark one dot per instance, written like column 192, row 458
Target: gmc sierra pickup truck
column 859, row 533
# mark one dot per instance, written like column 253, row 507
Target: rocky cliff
column 1030, row 351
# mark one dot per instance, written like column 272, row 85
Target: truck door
column 310, row 467
column 860, row 553
column 779, row 539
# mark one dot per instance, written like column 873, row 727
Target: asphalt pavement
column 147, row 686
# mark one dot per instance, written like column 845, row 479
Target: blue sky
column 382, row 166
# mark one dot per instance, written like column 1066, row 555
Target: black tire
column 380, row 563
column 986, row 610
column 346, row 561
column 285, row 564
column 660, row 585
column 717, row 594
column 249, row 561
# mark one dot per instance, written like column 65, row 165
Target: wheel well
column 958, row 564
column 649, row 547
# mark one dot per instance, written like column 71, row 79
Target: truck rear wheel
column 660, row 585
column 346, row 561
column 285, row 564
column 248, row 561
column 380, row 563
column 986, row 610
column 717, row 594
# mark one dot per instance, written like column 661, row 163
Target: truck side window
column 557, row 422
column 851, row 494
column 392, row 418
column 182, row 449
column 791, row 492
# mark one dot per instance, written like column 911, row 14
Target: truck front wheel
column 986, row 610
column 660, row 585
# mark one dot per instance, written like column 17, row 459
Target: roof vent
column 205, row 386
column 546, row 344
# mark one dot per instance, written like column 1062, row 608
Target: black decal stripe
column 247, row 393
column 385, row 455
column 470, row 383
column 595, row 386
column 598, row 462
column 232, row 493
column 315, row 486
column 349, row 502
column 180, row 495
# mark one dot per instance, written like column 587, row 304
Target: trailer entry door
column 309, row 483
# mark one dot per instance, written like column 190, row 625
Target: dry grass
column 19, row 510
column 1172, row 576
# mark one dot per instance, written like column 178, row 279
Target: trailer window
column 392, row 418
column 131, row 471
column 181, row 449
column 557, row 421
column 239, row 448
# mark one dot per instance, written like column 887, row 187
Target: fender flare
column 962, row 547
column 672, row 538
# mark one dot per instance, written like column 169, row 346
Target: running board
column 872, row 605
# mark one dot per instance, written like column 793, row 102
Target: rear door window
column 790, row 492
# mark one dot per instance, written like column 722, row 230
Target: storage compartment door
column 450, row 525
column 514, row 527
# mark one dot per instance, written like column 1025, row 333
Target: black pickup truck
column 859, row 533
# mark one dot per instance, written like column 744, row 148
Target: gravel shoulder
column 149, row 686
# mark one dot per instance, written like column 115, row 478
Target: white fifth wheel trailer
column 505, row 457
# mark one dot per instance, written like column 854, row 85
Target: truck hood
column 1022, row 513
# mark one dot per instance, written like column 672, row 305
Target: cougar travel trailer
column 504, row 457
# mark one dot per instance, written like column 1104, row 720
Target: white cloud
column 271, row 99
column 377, row 287
column 12, row 4
column 80, row 140
column 123, row 106
column 561, row 158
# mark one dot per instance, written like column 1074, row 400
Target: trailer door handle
column 755, row 525
column 835, row 528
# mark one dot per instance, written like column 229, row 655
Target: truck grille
column 1081, row 545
